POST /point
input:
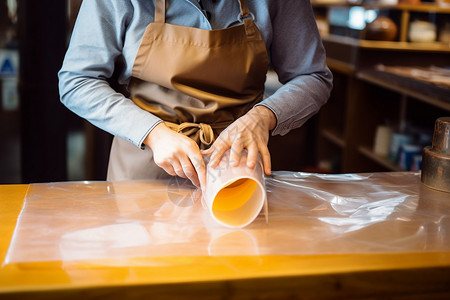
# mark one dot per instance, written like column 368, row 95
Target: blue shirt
column 107, row 31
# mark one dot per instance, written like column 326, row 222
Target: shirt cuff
column 141, row 141
column 274, row 112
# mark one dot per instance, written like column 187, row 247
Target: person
column 191, row 77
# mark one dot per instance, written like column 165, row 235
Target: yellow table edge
column 37, row 277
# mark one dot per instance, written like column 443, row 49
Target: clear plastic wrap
column 308, row 214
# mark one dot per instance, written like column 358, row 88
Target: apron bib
column 197, row 81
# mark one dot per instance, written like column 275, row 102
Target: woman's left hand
column 251, row 132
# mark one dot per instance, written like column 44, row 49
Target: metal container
column 436, row 159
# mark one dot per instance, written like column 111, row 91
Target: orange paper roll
column 235, row 195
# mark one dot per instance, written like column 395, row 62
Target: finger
column 201, row 173
column 170, row 171
column 179, row 170
column 207, row 151
column 236, row 153
column 190, row 172
column 265, row 154
column 168, row 168
column 217, row 155
column 252, row 155
column 198, row 164
column 206, row 155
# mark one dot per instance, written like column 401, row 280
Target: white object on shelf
column 382, row 140
column 422, row 32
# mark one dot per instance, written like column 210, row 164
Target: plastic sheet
column 235, row 195
column 308, row 214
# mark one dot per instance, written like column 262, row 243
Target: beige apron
column 198, row 81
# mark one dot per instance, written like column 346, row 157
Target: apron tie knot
column 199, row 132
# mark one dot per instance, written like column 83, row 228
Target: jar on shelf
column 381, row 29
column 422, row 32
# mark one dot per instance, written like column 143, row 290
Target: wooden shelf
column 379, row 159
column 425, row 7
column 387, row 45
column 333, row 137
column 422, row 7
column 340, row 66
column 427, row 93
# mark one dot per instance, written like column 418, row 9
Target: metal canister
column 436, row 159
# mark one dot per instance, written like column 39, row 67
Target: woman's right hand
column 177, row 154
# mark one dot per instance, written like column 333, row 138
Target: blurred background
column 390, row 61
column 40, row 140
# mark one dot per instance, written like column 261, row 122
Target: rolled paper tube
column 235, row 196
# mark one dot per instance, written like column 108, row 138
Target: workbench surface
column 422, row 272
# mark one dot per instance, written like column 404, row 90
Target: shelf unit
column 382, row 161
column 369, row 102
column 405, row 12
column 364, row 98
column 438, row 97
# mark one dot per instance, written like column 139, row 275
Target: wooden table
column 401, row 275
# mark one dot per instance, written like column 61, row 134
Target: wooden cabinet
column 365, row 97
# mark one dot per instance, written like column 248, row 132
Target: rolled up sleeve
column 298, row 57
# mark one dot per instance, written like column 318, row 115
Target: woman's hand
column 177, row 154
column 251, row 132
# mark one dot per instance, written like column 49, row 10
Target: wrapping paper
column 308, row 214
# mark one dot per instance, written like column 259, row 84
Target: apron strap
column 247, row 18
column 160, row 11
column 245, row 12
column 201, row 132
